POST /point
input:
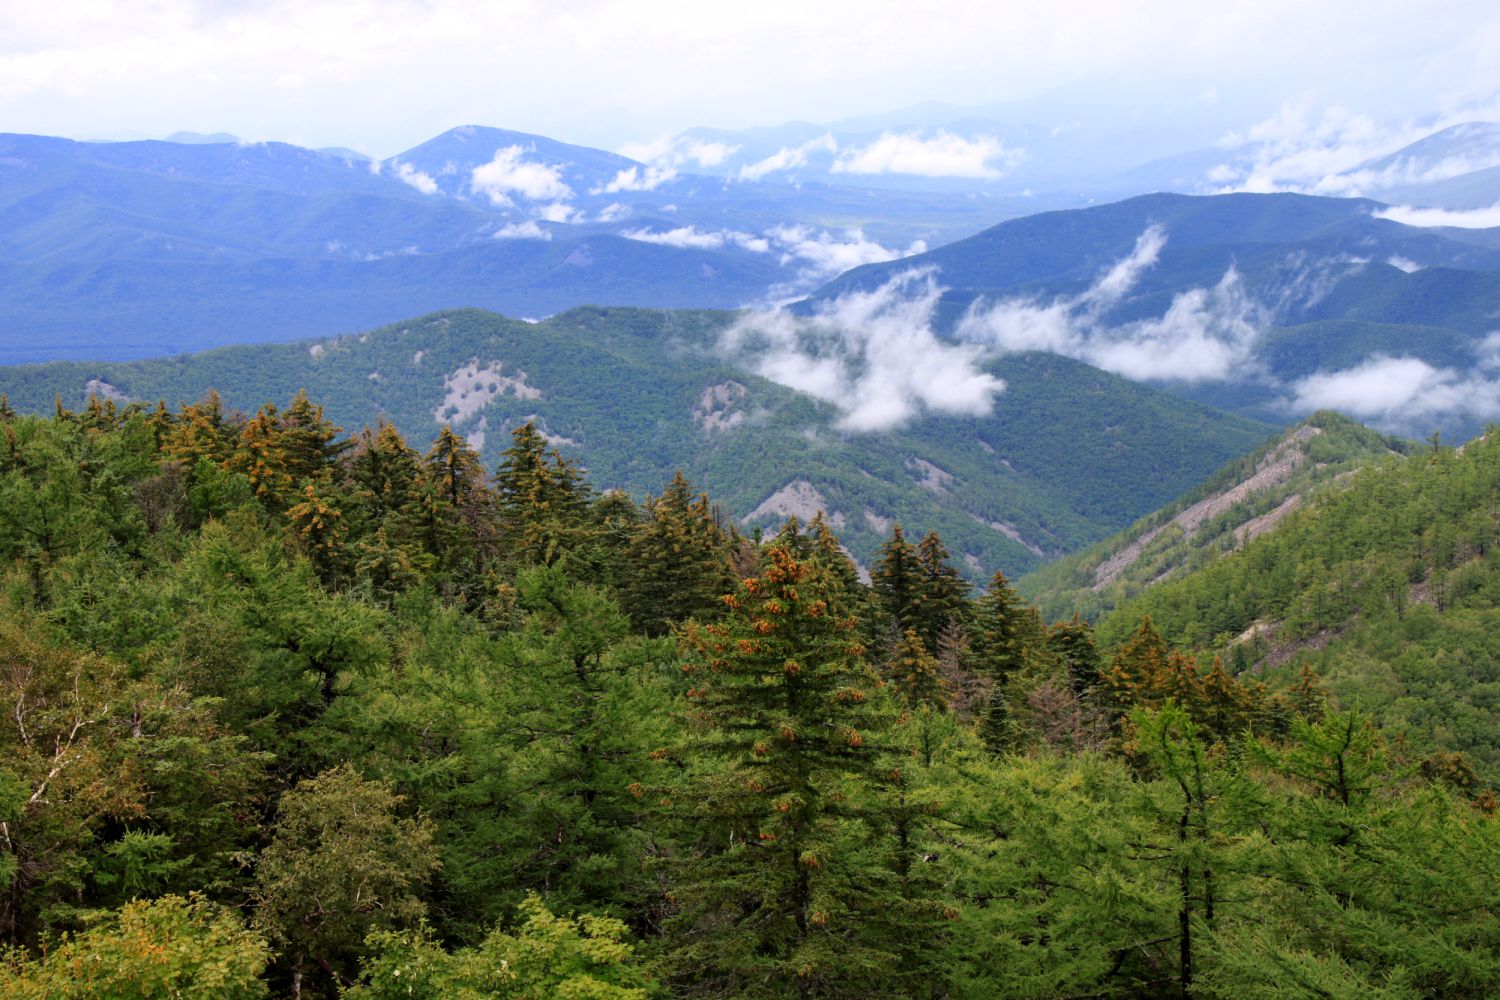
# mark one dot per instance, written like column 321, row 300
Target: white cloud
column 707, row 154
column 1326, row 152
column 788, row 158
column 613, row 212
column 1399, row 393
column 558, row 211
column 873, row 355
column 694, row 238
column 411, row 175
column 823, row 255
column 1206, row 333
column 983, row 157
column 677, row 152
column 1401, row 263
column 1478, row 218
column 527, row 230
column 636, row 179
column 508, row 173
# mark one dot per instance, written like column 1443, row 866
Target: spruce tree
column 898, row 582
column 945, row 593
column 786, row 890
column 678, row 561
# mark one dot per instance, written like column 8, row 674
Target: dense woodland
column 289, row 713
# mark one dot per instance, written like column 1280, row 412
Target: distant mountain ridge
column 636, row 394
column 1266, row 304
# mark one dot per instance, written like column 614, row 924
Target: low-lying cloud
column 1340, row 153
column 982, row 157
column 637, row 179
column 1477, row 218
column 1206, row 334
column 873, row 355
column 527, row 230
column 409, row 174
column 697, row 239
column 509, row 173
column 1404, row 393
column 788, row 158
column 679, row 152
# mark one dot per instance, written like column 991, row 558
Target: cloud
column 508, row 173
column 983, row 157
column 788, row 158
column 822, row 255
column 693, row 238
column 1205, row 334
column 872, row 355
column 411, row 175
column 636, row 179
column 1401, row 393
column 1478, row 218
column 707, row 154
column 1403, row 263
column 613, row 212
column 527, row 230
column 677, row 152
column 1328, row 152
column 558, row 211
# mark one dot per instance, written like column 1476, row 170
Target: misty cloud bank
column 1206, row 333
column 877, row 357
column 873, row 355
column 509, row 174
column 817, row 256
column 1404, row 393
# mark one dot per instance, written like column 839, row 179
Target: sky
column 383, row 75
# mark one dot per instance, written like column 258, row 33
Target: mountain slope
column 1388, row 588
column 1273, row 305
column 637, row 393
column 1242, row 501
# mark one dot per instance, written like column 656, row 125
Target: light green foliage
column 340, row 864
column 547, row 956
column 176, row 947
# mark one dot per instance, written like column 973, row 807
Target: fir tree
column 678, row 560
column 785, row 893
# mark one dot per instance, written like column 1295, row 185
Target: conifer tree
column 784, row 892
column 945, row 593
column 200, row 431
column 542, row 500
column 1006, row 629
column 898, row 582
column 679, row 565
column 915, row 673
column 1073, row 640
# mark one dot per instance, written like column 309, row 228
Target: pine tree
column 786, row 894
column 1006, row 630
column 1074, row 641
column 898, row 581
column 542, row 500
column 200, row 431
column 915, row 673
column 945, row 593
column 678, row 560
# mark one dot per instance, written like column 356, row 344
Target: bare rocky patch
column 471, row 388
column 1275, row 469
column 934, row 479
column 800, row 499
column 717, row 407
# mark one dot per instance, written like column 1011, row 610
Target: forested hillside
column 1242, row 501
column 635, row 394
column 291, row 712
column 1387, row 588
